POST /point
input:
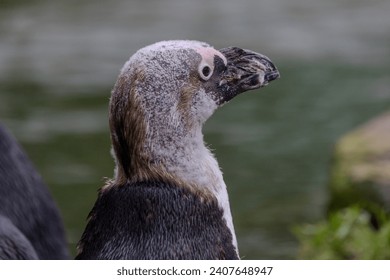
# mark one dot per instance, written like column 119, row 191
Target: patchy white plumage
column 181, row 149
column 163, row 96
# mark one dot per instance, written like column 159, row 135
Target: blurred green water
column 274, row 145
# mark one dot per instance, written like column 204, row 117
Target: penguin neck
column 176, row 155
column 185, row 157
column 183, row 154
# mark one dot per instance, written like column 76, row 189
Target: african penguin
column 30, row 223
column 167, row 199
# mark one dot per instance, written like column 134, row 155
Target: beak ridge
column 247, row 70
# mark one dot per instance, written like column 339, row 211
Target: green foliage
column 347, row 234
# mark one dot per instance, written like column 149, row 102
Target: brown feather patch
column 129, row 133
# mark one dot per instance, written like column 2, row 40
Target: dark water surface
column 59, row 60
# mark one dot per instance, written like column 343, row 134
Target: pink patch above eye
column 208, row 54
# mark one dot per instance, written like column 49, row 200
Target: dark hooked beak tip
column 273, row 75
column 247, row 70
column 270, row 72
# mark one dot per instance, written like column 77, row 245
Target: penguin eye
column 205, row 71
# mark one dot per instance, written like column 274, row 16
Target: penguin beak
column 246, row 70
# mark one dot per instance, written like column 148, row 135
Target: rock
column 360, row 172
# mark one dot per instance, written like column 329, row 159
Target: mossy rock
column 360, row 171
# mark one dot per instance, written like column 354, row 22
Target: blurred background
column 59, row 60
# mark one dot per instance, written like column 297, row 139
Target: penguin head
column 167, row 91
